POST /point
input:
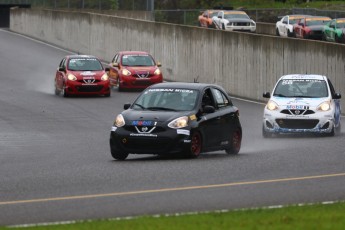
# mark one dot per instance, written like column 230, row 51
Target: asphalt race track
column 55, row 163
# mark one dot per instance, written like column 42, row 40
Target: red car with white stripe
column 82, row 75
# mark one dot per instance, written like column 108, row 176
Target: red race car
column 82, row 75
column 134, row 70
column 310, row 27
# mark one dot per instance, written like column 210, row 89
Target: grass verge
column 317, row 216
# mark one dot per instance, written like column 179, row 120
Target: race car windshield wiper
column 141, row 106
column 160, row 108
column 280, row 95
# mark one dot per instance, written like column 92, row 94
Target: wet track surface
column 55, row 163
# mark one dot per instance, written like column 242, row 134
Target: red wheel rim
column 196, row 144
column 236, row 140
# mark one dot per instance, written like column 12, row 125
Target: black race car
column 187, row 118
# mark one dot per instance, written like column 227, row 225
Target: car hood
column 290, row 102
column 88, row 74
column 154, row 116
column 139, row 69
column 239, row 20
column 317, row 27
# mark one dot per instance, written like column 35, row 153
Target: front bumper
column 130, row 82
column 78, row 88
column 167, row 142
column 320, row 122
column 241, row 28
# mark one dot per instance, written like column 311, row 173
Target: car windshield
column 233, row 15
column 341, row 24
column 307, row 88
column 167, row 99
column 212, row 14
column 137, row 60
column 84, row 64
column 316, row 22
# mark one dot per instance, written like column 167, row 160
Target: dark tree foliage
column 186, row 4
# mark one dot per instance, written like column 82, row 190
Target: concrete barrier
column 266, row 28
column 244, row 64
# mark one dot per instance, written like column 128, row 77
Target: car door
column 336, row 100
column 226, row 114
column 331, row 31
column 284, row 27
column 60, row 74
column 113, row 70
column 209, row 122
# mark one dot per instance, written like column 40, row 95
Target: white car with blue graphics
column 302, row 103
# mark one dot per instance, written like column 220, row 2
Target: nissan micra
column 302, row 103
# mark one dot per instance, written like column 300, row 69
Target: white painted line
column 172, row 215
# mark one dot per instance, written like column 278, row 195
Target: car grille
column 139, row 144
column 89, row 88
column 132, row 128
column 297, row 123
column 241, row 24
column 92, row 81
column 297, row 112
column 142, row 74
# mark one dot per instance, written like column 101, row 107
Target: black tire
column 223, row 27
column 235, row 142
column 119, row 88
column 332, row 133
column 64, row 92
column 277, row 32
column 338, row 129
column 107, row 94
column 195, row 146
column 120, row 156
column 266, row 134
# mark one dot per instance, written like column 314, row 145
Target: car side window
column 220, row 98
column 207, row 99
column 331, row 87
column 62, row 63
column 285, row 20
column 115, row 58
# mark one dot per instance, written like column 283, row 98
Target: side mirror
column 126, row 106
column 266, row 95
column 209, row 109
column 115, row 64
column 159, row 64
column 62, row 69
column 337, row 96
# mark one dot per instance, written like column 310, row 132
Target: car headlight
column 126, row 72
column 324, row 106
column 180, row 122
column 271, row 105
column 157, row 72
column 71, row 77
column 119, row 121
column 105, row 77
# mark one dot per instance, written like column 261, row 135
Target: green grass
column 256, row 4
column 318, row 216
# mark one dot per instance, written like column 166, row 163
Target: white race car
column 303, row 103
column 284, row 27
column 234, row 20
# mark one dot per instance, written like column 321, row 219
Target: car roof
column 303, row 76
column 184, row 85
column 133, row 52
column 80, row 56
column 234, row 12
